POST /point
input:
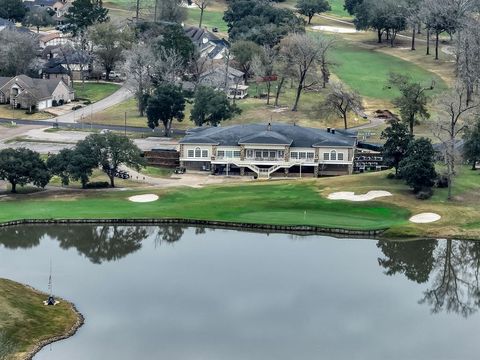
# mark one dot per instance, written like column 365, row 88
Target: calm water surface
column 189, row 293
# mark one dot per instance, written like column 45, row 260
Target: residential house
column 267, row 150
column 53, row 39
column 24, row 92
column 6, row 24
column 208, row 44
column 60, row 63
column 229, row 78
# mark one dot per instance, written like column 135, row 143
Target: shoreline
column 229, row 225
column 296, row 229
column 71, row 332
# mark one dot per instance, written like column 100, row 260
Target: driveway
column 117, row 97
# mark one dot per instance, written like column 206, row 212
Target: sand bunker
column 425, row 218
column 350, row 196
column 335, row 29
column 143, row 198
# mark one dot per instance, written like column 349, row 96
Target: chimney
column 269, row 127
column 328, row 130
column 333, row 131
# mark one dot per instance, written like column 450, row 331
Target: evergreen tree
column 309, row 8
column 165, row 105
column 395, row 148
column 211, row 107
column 418, row 167
column 471, row 148
column 85, row 13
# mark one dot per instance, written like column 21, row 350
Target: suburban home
column 6, row 24
column 23, row 92
column 266, row 150
column 52, row 39
column 221, row 77
column 208, row 44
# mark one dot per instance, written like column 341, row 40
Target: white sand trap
column 350, row 196
column 335, row 29
column 425, row 218
column 143, row 198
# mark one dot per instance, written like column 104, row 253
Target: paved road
column 86, row 126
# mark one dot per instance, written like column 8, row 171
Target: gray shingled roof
column 40, row 89
column 277, row 134
column 4, row 80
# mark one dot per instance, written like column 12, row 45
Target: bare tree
column 448, row 128
column 305, row 53
column 202, row 5
column 197, row 66
column 138, row 66
column 17, row 51
column 263, row 66
column 341, row 101
column 168, row 66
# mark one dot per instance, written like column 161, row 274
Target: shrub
column 76, row 107
column 97, row 185
column 54, row 103
column 391, row 176
column 87, row 102
column 61, row 102
column 424, row 194
column 442, row 181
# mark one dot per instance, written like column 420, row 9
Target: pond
column 193, row 293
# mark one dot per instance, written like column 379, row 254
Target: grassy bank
column 25, row 321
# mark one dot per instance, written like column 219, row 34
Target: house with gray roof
column 24, row 92
column 266, row 150
column 208, row 44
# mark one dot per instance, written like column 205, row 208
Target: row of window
column 279, row 154
column 333, row 155
column 197, row 153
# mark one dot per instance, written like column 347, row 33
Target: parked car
column 114, row 75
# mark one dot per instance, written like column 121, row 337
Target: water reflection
column 450, row 268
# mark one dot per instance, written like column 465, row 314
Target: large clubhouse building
column 266, row 150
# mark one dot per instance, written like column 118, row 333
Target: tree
column 112, row 151
column 170, row 11
column 260, row 22
column 109, row 44
column 471, row 147
column 263, row 65
column 309, row 8
column 398, row 138
column 304, row 53
column 22, row 166
column 17, row 53
column 350, row 5
column 211, row 107
column 243, row 52
column 173, row 38
column 385, row 16
column 38, row 17
column 83, row 14
column 412, row 101
column 13, row 10
column 417, row 168
column 167, row 67
column 165, row 105
column 341, row 101
column 73, row 164
column 202, row 5
column 139, row 64
column 448, row 128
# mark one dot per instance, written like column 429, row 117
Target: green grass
column 25, row 321
column 269, row 204
column 211, row 19
column 337, row 8
column 94, row 91
column 367, row 71
column 155, row 171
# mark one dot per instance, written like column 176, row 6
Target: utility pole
column 137, row 9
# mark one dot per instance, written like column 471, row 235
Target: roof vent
column 333, row 131
column 269, row 127
column 328, row 130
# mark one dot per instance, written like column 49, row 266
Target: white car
column 114, row 75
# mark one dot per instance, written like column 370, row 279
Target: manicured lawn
column 367, row 71
column 293, row 204
column 155, row 171
column 6, row 112
column 94, row 91
column 337, row 8
column 25, row 321
column 211, row 18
